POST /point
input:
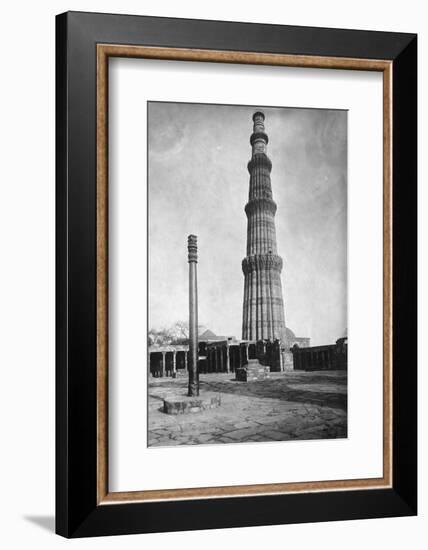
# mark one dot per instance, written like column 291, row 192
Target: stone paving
column 287, row 406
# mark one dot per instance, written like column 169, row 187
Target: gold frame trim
column 104, row 51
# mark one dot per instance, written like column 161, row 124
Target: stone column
column 174, row 363
column 227, row 358
column 221, row 357
column 163, row 364
column 185, row 361
column 192, row 247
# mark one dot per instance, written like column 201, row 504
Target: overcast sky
column 199, row 183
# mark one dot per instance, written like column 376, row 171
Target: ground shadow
column 333, row 393
column 269, row 389
column 158, row 397
column 45, row 522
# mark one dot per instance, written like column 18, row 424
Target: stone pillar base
column 252, row 371
column 186, row 405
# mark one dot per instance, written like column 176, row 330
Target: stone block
column 287, row 361
column 252, row 372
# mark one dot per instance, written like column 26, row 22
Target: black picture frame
column 77, row 512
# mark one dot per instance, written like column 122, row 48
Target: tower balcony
column 259, row 136
column 262, row 262
column 262, row 204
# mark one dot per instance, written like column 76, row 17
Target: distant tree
column 178, row 332
column 161, row 337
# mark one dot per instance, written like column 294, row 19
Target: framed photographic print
column 236, row 274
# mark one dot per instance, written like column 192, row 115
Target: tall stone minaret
column 263, row 312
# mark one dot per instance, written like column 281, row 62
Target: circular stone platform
column 183, row 404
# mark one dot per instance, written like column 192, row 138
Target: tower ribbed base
column 263, row 311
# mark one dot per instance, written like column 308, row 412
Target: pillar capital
column 192, row 248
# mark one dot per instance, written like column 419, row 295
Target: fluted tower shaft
column 263, row 311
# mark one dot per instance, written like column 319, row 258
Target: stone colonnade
column 331, row 357
column 227, row 357
column 219, row 356
column 168, row 362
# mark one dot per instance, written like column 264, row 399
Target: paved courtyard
column 287, row 406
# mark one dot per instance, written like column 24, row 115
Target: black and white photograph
column 247, row 274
